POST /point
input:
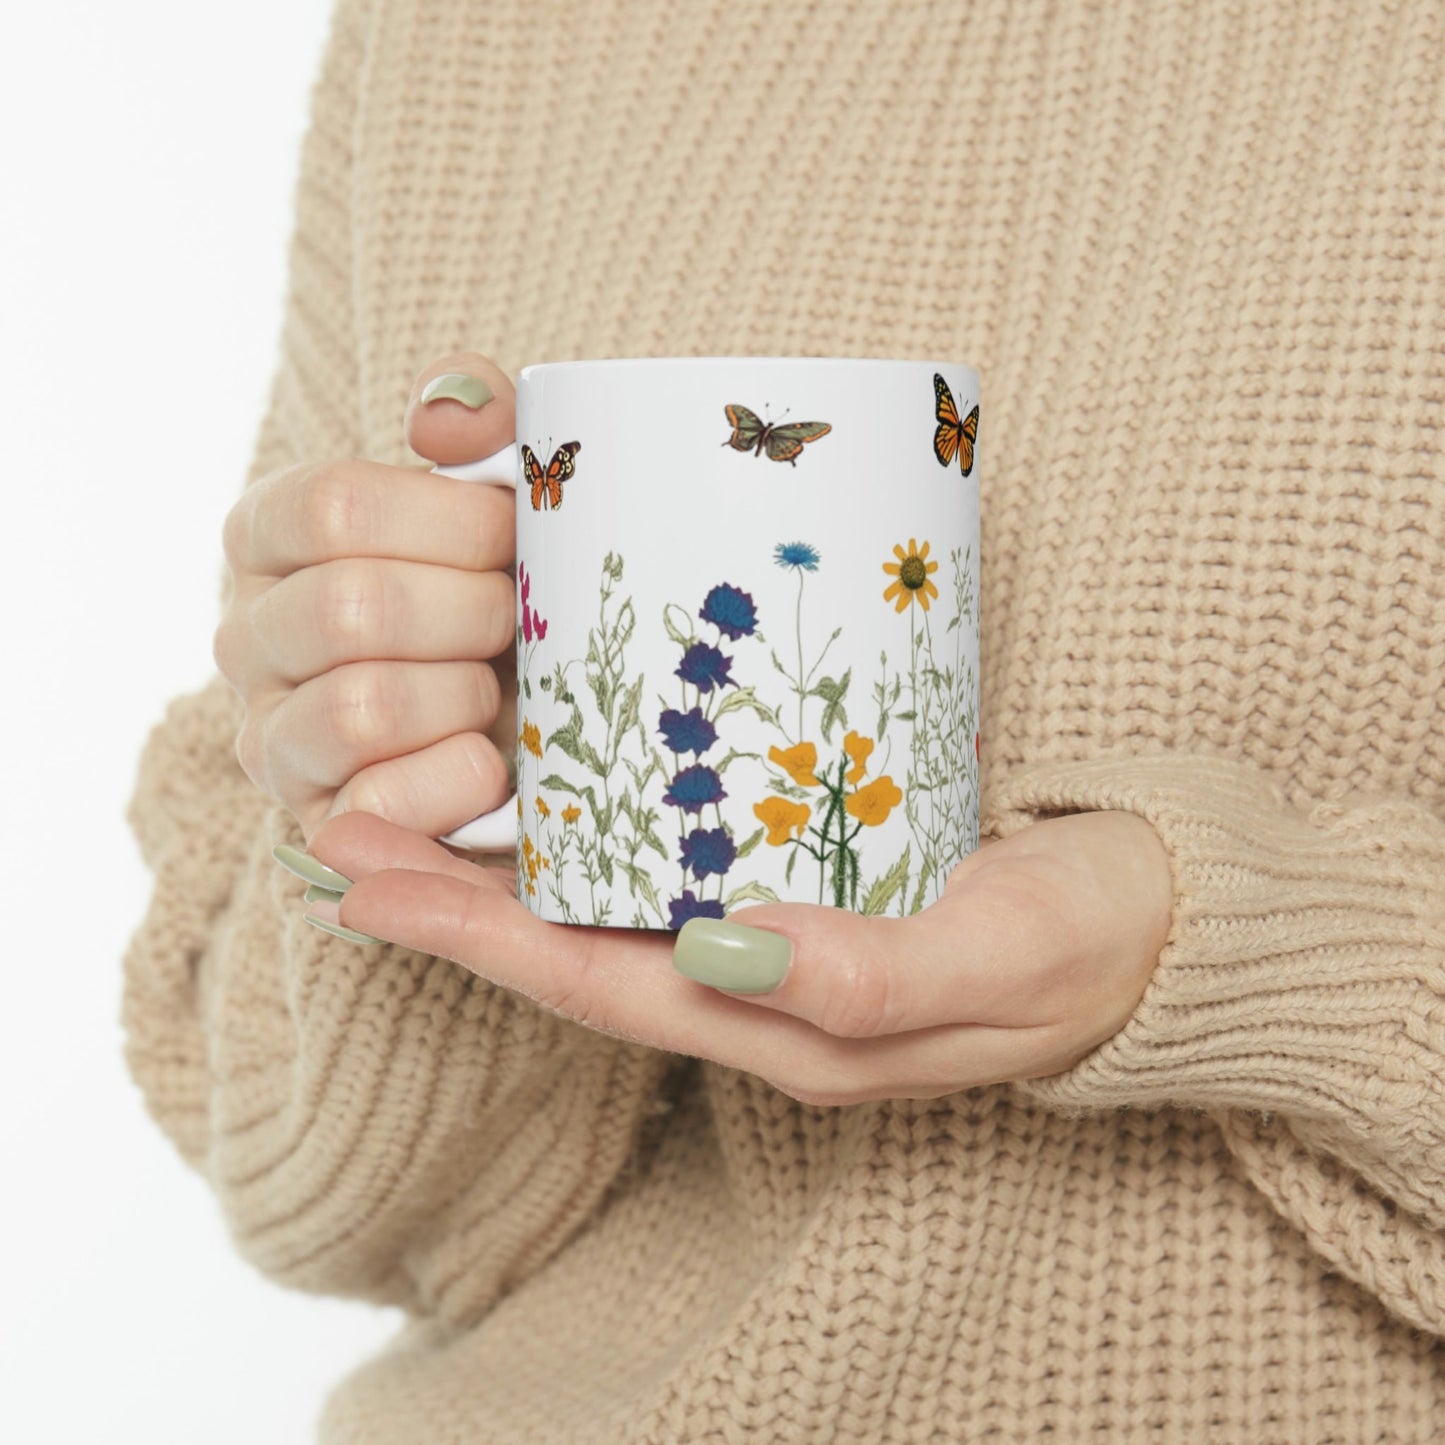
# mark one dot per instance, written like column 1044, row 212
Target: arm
column 1300, row 1000
column 381, row 1123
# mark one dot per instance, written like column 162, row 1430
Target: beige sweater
column 1198, row 253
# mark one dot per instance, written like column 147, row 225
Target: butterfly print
column 547, row 486
column 751, row 434
column 953, row 437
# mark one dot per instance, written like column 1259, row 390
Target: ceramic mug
column 747, row 652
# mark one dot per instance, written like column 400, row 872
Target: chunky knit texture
column 1198, row 253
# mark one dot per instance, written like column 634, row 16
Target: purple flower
column 705, row 667
column 731, row 611
column 693, row 787
column 688, row 906
column 687, row 732
column 708, row 850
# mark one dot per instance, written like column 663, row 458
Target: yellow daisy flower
column 531, row 737
column 912, row 571
column 571, row 813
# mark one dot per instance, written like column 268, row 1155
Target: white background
column 147, row 159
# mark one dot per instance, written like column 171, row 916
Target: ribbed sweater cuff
column 1305, row 967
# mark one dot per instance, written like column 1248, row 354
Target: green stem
column 801, row 694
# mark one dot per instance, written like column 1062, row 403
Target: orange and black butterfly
column 953, row 437
column 547, row 486
column 751, row 434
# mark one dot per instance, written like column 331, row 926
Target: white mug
column 748, row 635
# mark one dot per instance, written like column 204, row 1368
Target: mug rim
column 830, row 362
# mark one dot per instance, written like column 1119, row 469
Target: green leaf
column 750, row 892
column 894, row 881
column 833, row 714
column 639, row 882
column 904, row 716
column 744, row 697
column 925, row 876
column 831, row 690
column 683, row 639
column 613, row 566
column 630, row 713
column 527, row 686
column 792, row 860
column 787, row 789
column 751, row 842
column 732, row 755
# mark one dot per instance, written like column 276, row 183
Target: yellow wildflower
column 857, row 748
column 912, row 570
column 531, row 737
column 798, row 762
column 571, row 813
column 783, row 818
column 872, row 805
column 542, row 809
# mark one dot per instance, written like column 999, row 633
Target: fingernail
column 349, row 934
column 471, row 391
column 728, row 955
column 303, row 865
column 315, row 894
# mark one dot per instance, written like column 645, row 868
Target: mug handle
column 493, row 832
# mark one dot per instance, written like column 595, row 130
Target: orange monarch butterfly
column 783, row 442
column 952, row 435
column 547, row 486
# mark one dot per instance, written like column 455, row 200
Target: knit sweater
column 1196, row 254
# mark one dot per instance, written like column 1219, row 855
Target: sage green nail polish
column 511, row 763
column 316, row 894
column 303, row 865
column 728, row 955
column 471, row 391
column 349, row 934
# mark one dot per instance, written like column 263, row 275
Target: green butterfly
column 751, row 434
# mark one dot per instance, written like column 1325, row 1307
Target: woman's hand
column 365, row 600
column 1038, row 951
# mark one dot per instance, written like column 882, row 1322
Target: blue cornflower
column 686, row 732
column 730, row 610
column 708, row 850
column 705, row 667
column 796, row 554
column 693, row 787
column 689, row 906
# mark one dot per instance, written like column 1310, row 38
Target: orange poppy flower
column 783, row 818
column 798, row 762
column 858, row 748
column 872, row 805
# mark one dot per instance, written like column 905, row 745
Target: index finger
column 304, row 516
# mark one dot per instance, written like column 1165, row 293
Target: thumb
column 851, row 976
column 462, row 408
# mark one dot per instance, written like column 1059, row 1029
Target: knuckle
column 236, row 532
column 489, row 693
column 250, row 751
column 361, row 707
column 224, row 650
column 861, row 998
column 334, row 509
column 352, row 604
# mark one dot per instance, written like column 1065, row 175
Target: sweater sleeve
column 375, row 1123
column 1299, row 1000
